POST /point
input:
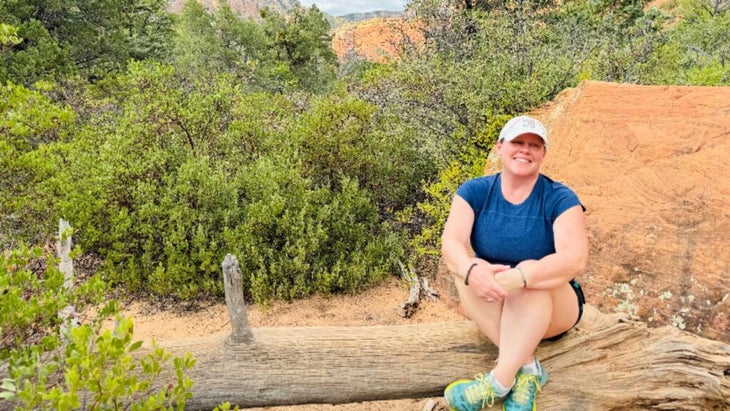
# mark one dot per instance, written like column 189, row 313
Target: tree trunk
column 607, row 362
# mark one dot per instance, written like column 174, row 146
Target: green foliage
column 101, row 370
column 88, row 37
column 37, row 57
column 174, row 177
column 9, row 35
column 297, row 239
column 197, row 49
column 30, row 119
column 302, row 41
column 28, row 122
column 281, row 54
column 634, row 36
column 172, row 231
column 479, row 65
column 145, row 192
column 31, row 295
column 249, row 53
column 697, row 50
column 52, row 364
column 346, row 137
column 226, row 406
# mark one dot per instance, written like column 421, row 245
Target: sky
column 342, row 7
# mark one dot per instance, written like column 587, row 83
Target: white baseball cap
column 520, row 125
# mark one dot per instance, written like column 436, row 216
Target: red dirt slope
column 651, row 165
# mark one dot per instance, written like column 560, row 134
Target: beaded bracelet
column 524, row 280
column 468, row 272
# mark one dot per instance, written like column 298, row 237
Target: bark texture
column 608, row 362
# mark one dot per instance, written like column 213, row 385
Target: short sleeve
column 474, row 191
column 562, row 198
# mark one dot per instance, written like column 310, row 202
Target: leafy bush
column 697, row 50
column 276, row 53
column 172, row 176
column 51, row 364
column 344, row 137
column 297, row 239
column 91, row 39
column 28, row 121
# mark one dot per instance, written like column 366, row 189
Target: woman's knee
column 487, row 316
column 536, row 297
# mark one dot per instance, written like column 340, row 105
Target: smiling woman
column 340, row 7
column 529, row 241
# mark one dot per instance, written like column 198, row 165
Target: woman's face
column 523, row 155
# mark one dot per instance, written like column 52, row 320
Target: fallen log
column 607, row 362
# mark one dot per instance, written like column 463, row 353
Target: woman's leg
column 526, row 318
column 487, row 316
column 515, row 326
column 566, row 310
column 520, row 322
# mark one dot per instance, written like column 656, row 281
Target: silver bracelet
column 524, row 280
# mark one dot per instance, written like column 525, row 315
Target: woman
column 529, row 239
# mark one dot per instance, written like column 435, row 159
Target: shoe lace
column 480, row 390
column 523, row 392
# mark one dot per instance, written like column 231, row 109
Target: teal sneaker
column 522, row 396
column 471, row 395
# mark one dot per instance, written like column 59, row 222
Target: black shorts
column 581, row 301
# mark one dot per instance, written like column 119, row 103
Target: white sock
column 531, row 367
column 499, row 389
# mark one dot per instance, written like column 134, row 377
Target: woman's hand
column 483, row 283
column 511, row 278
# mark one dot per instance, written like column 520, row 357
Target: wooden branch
column 233, row 280
column 607, row 362
column 417, row 286
column 63, row 248
column 68, row 315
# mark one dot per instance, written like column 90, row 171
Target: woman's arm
column 455, row 250
column 455, row 238
column 568, row 261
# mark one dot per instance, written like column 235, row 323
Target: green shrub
column 174, row 232
column 296, row 239
column 51, row 365
column 64, row 38
column 172, row 176
column 434, row 210
column 697, row 51
column 345, row 137
column 29, row 121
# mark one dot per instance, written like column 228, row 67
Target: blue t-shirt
column 505, row 233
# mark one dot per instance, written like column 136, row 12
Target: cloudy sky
column 341, row 7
